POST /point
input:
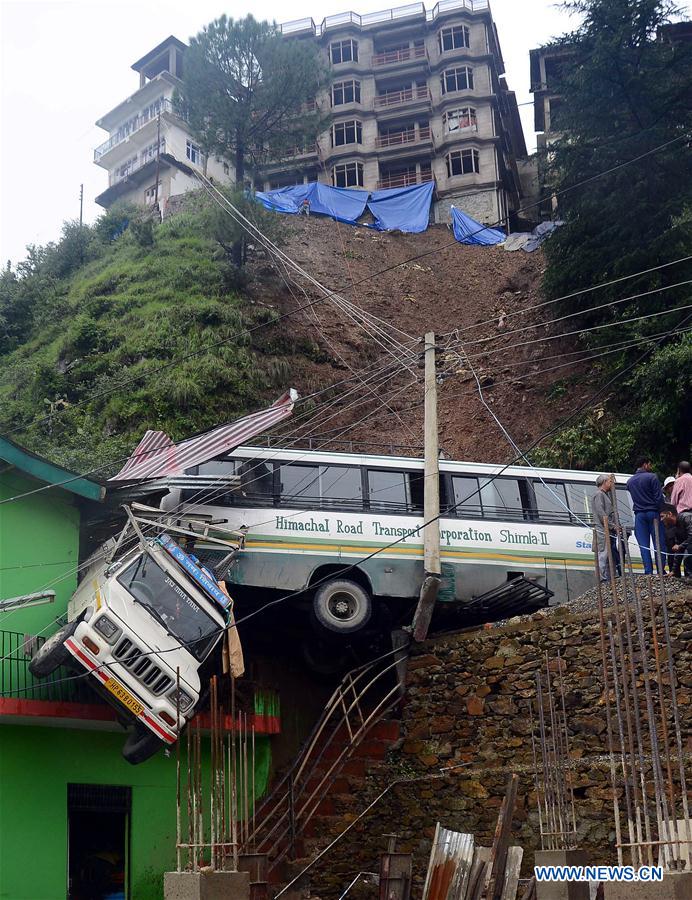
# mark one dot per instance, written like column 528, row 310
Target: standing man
column 681, row 495
column 647, row 498
column 602, row 509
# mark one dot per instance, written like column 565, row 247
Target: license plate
column 124, row 696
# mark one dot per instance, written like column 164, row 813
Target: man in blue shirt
column 647, row 498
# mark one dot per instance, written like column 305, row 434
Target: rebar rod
column 555, row 739
column 609, row 717
column 567, row 746
column 626, row 694
column 662, row 708
column 178, row 835
column 661, row 802
column 190, row 836
column 636, row 837
column 535, row 777
column 548, row 787
column 673, row 691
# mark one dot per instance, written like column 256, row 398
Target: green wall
column 39, row 545
column 36, row 765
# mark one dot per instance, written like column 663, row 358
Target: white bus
column 310, row 514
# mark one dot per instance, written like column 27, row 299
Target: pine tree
column 248, row 93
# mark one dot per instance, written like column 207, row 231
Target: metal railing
column 166, row 106
column 396, row 98
column 384, row 15
column 17, row 682
column 364, row 697
column 395, row 56
column 409, row 136
column 404, row 179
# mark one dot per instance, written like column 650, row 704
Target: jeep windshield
column 171, row 605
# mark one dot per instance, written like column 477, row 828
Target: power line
column 586, row 404
column 555, row 337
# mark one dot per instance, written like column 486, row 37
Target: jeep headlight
column 109, row 630
column 179, row 697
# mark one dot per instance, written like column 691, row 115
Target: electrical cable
column 213, row 345
column 574, row 414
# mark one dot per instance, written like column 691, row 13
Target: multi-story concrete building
column 416, row 95
column 150, row 153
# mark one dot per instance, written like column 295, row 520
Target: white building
column 147, row 142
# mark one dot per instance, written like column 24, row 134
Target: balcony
column 399, row 98
column 407, row 136
column 134, row 126
column 404, row 179
column 136, row 163
column 396, row 56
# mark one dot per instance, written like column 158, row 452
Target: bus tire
column 342, row 606
column 52, row 653
column 141, row 745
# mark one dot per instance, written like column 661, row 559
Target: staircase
column 287, row 821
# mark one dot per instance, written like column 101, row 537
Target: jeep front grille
column 142, row 667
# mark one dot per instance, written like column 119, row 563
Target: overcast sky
column 65, row 64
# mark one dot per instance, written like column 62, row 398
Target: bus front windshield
column 171, row 606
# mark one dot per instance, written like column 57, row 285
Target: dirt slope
column 451, row 287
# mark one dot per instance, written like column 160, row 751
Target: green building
column 73, row 813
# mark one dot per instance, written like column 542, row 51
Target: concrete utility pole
column 81, row 204
column 431, row 500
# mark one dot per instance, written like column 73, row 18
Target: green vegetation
column 86, row 322
column 626, row 87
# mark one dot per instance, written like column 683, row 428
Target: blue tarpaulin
column 402, row 209
column 342, row 204
column 468, row 231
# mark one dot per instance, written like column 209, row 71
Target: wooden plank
column 503, row 830
column 512, row 869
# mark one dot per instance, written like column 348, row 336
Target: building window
column 347, row 133
column 345, row 92
column 458, row 119
column 348, row 175
column 459, row 78
column 462, row 162
column 150, row 196
column 193, row 153
column 454, row 38
column 343, row 51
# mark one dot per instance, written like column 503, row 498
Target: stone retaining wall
column 468, row 705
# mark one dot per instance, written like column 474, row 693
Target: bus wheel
column 342, row 606
column 141, row 744
column 52, row 653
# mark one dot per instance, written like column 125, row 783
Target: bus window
column 300, row 484
column 467, row 499
column 256, row 481
column 501, row 499
column 551, row 501
column 395, row 491
column 341, row 487
column 625, row 511
column 579, row 496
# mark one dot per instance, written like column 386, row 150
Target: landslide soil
column 451, row 289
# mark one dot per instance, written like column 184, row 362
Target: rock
column 475, row 706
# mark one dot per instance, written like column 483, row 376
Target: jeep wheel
column 141, row 745
column 52, row 653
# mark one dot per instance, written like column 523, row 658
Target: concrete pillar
column 172, row 61
column 562, row 890
column 675, row 886
column 206, row 886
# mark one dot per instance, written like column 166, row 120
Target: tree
column 626, row 106
column 248, row 92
